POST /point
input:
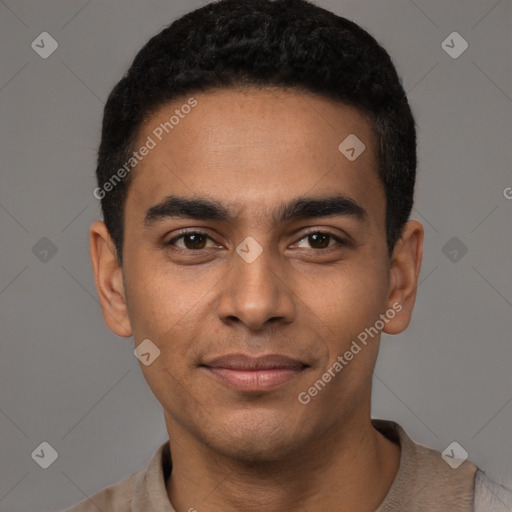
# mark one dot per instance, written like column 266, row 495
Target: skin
column 254, row 150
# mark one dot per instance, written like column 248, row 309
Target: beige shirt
column 424, row 482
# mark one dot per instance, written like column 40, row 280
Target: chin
column 256, row 438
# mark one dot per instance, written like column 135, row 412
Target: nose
column 256, row 293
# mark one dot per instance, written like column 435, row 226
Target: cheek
column 348, row 297
column 160, row 297
column 169, row 309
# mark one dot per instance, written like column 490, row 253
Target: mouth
column 254, row 374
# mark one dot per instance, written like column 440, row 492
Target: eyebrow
column 305, row 207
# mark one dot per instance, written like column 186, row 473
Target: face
column 261, row 271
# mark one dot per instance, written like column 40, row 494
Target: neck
column 352, row 467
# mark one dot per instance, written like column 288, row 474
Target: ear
column 404, row 273
column 108, row 276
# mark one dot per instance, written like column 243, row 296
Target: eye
column 197, row 240
column 192, row 240
column 321, row 239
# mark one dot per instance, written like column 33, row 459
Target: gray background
column 67, row 380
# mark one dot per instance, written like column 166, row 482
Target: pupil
column 315, row 238
column 196, row 241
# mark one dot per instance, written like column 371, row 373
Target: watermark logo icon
column 44, row 45
column 454, row 455
column 44, row 250
column 249, row 249
column 45, row 455
column 454, row 45
column 146, row 352
column 352, row 147
column 454, row 249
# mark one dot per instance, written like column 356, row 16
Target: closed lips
column 243, row 362
column 247, row 374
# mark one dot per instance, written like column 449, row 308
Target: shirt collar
column 150, row 492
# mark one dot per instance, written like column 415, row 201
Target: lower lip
column 254, row 380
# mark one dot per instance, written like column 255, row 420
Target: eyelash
column 207, row 235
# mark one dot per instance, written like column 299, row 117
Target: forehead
column 254, row 150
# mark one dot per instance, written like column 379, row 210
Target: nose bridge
column 256, row 271
column 254, row 291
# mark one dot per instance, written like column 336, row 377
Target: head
column 278, row 136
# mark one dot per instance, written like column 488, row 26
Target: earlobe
column 108, row 277
column 404, row 273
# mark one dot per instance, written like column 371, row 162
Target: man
column 256, row 174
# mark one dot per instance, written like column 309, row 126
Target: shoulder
column 137, row 493
column 426, row 480
column 115, row 498
column 491, row 496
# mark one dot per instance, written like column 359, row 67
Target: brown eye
column 320, row 240
column 191, row 241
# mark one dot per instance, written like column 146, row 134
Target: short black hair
column 274, row 43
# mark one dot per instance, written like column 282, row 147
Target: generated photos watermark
column 305, row 397
column 151, row 143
